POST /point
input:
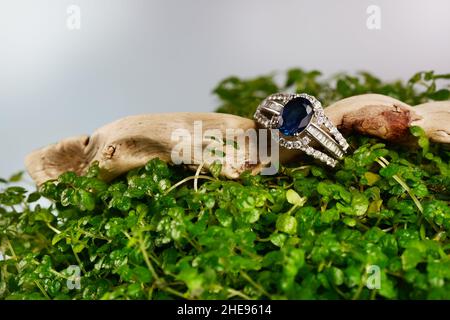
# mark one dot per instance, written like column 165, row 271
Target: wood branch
column 389, row 118
column 132, row 141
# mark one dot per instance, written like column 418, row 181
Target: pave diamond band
column 301, row 121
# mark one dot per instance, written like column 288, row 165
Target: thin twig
column 187, row 179
column 384, row 162
column 197, row 174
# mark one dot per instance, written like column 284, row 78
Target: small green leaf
column 343, row 88
column 416, row 131
column 374, row 207
column 77, row 248
column 33, row 197
column 224, row 217
column 440, row 95
column 192, row 279
column 43, row 215
column 351, row 222
column 215, row 168
column 411, row 257
column 294, row 198
column 87, row 200
column 390, row 170
column 134, row 290
column 16, row 177
column 371, row 178
column 359, row 203
column 294, row 260
column 278, row 239
column 143, row 274
column 330, row 215
column 337, row 276
column 122, row 203
column 387, row 288
column 287, row 223
column 58, row 237
column 423, row 139
column 68, row 197
column 415, row 78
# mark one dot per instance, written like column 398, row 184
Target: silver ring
column 300, row 120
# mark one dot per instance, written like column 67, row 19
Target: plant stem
column 175, row 292
column 197, row 174
column 146, row 259
column 254, row 284
column 13, row 253
column 237, row 293
column 384, row 162
column 42, row 290
column 53, row 228
column 78, row 261
column 361, row 286
column 187, row 179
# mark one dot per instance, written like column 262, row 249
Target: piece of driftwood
column 132, row 141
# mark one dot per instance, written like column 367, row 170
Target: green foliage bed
column 306, row 233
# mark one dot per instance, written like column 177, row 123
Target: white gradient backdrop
column 142, row 56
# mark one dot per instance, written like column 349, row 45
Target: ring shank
column 323, row 138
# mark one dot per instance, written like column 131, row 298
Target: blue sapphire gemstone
column 296, row 115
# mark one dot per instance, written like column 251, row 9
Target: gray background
column 136, row 56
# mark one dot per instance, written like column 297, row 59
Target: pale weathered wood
column 132, row 141
column 389, row 118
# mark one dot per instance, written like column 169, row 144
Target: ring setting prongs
column 300, row 120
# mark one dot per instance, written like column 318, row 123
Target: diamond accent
column 320, row 120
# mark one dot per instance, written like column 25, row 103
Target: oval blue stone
column 296, row 115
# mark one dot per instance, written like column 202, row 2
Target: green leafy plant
column 161, row 232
